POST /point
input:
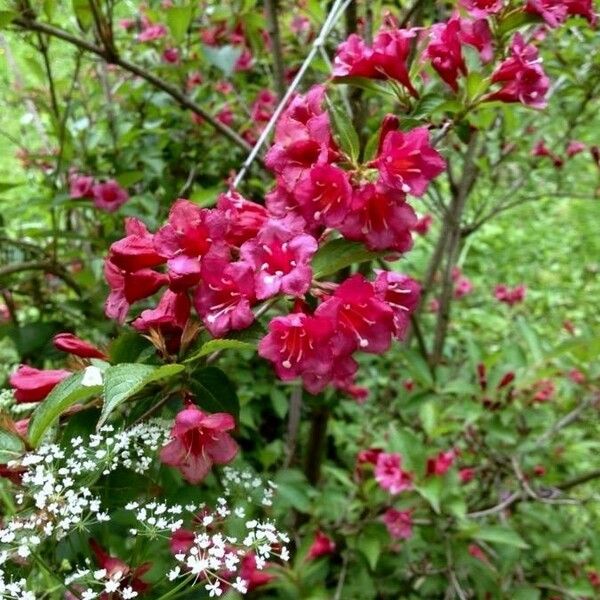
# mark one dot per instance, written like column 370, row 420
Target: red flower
column 462, row 287
column 324, row 196
column 67, row 342
column 322, row 546
column 476, row 552
column 521, row 75
column 478, row 34
column 543, row 390
column 224, row 296
column 136, row 250
column 398, row 523
column 280, row 255
column 509, row 296
column 389, row 473
column 423, row 225
column 363, row 320
column 445, row 53
column 482, row 8
column 244, row 218
column 298, row 346
column 576, row 376
column 575, row 147
column 582, row 8
column 33, row 385
column 190, row 233
column 381, row 218
column 109, row 196
column 199, row 440
column 118, row 570
column 467, row 474
column 151, row 33
column 594, row 578
column 169, row 318
column 407, row 162
column 81, row 186
column 441, row 463
column 554, row 12
column 171, row 55
column 253, row 576
column 181, row 541
column 370, row 456
column 402, row 294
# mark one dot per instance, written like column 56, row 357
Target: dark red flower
column 441, row 463
column 136, row 250
column 244, row 218
column 402, row 294
column 67, row 342
column 445, row 53
column 322, row 546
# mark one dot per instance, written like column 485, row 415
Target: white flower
column 92, row 376
column 214, row 589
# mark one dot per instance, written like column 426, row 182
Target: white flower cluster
column 102, row 582
column 250, row 484
column 11, row 588
column 216, row 558
column 157, row 519
column 57, row 498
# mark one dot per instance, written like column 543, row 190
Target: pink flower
column 298, row 346
column 244, row 218
column 554, row 12
column 302, row 138
column 540, row 149
column 363, row 320
column 423, row 225
column 324, row 195
column 193, row 79
column 543, row 390
column 263, row 106
column 171, row 56
column 576, row 376
column 280, row 257
column 223, row 87
column 33, row 385
column 109, row 196
column 322, row 546
column 225, row 116
column 476, row 552
column 181, row 541
column 127, row 288
column 398, row 523
column 253, row 576
column 522, row 76
column 199, row 440
column 407, row 162
column 402, row 294
column 368, row 456
column 433, row 305
column 509, row 296
column 190, row 233
column 582, row 8
column 354, row 58
column 67, row 342
column 127, row 24
column 389, row 474
column 151, row 33
column 467, row 474
column 169, row 318
column 244, row 61
column 136, row 250
column 440, row 464
column 381, row 218
column 478, row 34
column 81, row 186
column 444, row 52
column 462, row 287
column 118, row 570
column 480, row 9
column 594, row 578
column 575, row 147
column 224, row 296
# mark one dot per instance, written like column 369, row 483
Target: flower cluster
column 510, row 296
column 55, row 496
column 228, row 259
column 14, row 589
column 108, row 195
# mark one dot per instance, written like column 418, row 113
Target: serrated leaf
column 11, row 446
column 500, row 535
column 214, row 392
column 216, row 345
column 63, row 396
column 123, row 381
column 178, row 20
column 339, row 254
column 344, row 132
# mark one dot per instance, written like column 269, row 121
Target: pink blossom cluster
column 108, row 195
column 510, row 296
column 224, row 261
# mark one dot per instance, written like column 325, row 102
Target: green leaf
column 129, row 178
column 293, row 489
column 532, row 340
column 63, row 396
column 526, row 593
column 428, row 416
column 339, row 254
column 123, row 381
column 83, row 12
column 11, row 446
column 365, row 84
column 418, row 367
column 476, row 85
column 215, row 392
column 344, row 132
column 224, row 58
column 216, row 345
column 432, row 490
column 516, row 19
column 370, row 543
column 7, row 17
column 178, row 20
column 500, row 535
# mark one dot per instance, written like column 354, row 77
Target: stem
column 294, row 414
column 271, row 8
column 174, row 591
column 316, row 444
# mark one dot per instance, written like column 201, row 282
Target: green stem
column 171, row 593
